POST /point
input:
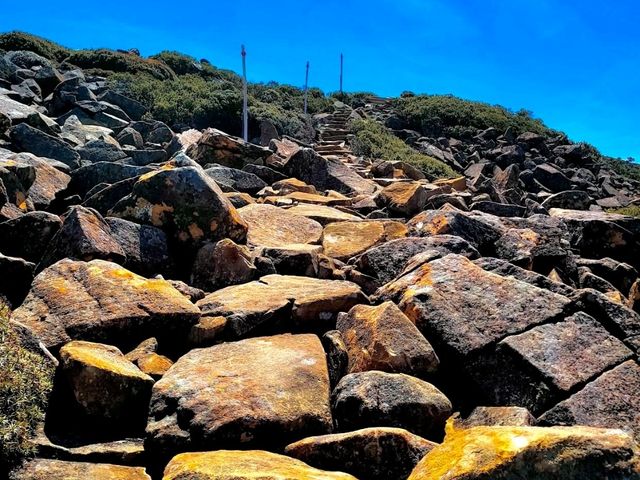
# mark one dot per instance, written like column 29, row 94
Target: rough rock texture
column 531, row 452
column 221, row 264
column 244, row 465
column 262, row 390
column 271, row 226
column 344, row 240
column 101, row 301
column 105, row 384
column 44, row 469
column 379, row 453
column 185, row 203
column 383, row 338
column 375, row 398
column 302, row 302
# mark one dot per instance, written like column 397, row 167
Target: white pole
column 245, row 113
column 306, row 86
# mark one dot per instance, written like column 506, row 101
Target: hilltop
column 415, row 288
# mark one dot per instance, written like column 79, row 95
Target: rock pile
column 220, row 310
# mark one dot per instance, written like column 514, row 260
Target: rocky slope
column 222, row 310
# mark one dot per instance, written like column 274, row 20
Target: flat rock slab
column 344, row 240
column 244, row 465
column 379, row 453
column 611, row 400
column 101, row 301
column 303, row 302
column 545, row 364
column 383, row 338
column 263, row 390
column 271, row 226
column 462, row 308
column 323, row 214
column 43, row 469
column 504, row 453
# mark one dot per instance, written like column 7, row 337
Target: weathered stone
column 303, row 302
column 373, row 398
column 496, row 417
column 610, row 401
column 100, row 150
column 16, row 276
column 289, row 185
column 474, row 229
column 615, row 316
column 337, row 356
column 269, row 175
column 185, row 203
column 45, row 469
column 503, row 453
column 299, row 259
column 388, row 260
column 105, row 384
column 85, row 178
column 264, row 390
column 84, row 235
column 383, row 338
column 221, row 264
column 28, row 235
column 571, row 199
column 101, row 301
column 621, row 275
column 323, row 214
column 35, row 141
column 271, row 226
column 145, row 247
column 344, row 240
column 499, row 209
column 380, row 453
column 404, row 198
column 104, row 199
column 552, row 178
column 537, row 368
column 461, row 308
column 215, row 146
column 244, row 465
column 235, row 179
column 327, row 174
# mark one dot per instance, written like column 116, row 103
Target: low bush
column 628, row 168
column 373, row 140
column 436, row 115
column 106, row 61
column 25, row 382
column 41, row 46
column 631, row 210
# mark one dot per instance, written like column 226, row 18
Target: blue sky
column 575, row 64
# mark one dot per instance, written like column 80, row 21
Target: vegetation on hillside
column 448, row 115
column 373, row 140
column 25, row 383
column 41, row 46
column 631, row 210
column 627, row 168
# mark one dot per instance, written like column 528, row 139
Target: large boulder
column 383, row 338
column 233, row 179
column 244, row 465
column 271, row 226
column 185, row 203
column 215, row 146
column 374, row 398
column 32, row 140
column 16, row 274
column 344, row 240
column 301, row 302
column 84, row 235
column 221, row 264
column 505, row 453
column 101, row 301
column 45, row 469
column 378, row 453
column 87, row 177
column 327, row 174
column 404, row 198
column 263, row 390
column 105, row 384
column 28, row 235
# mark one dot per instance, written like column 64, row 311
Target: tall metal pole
column 341, row 64
column 306, row 88
column 245, row 113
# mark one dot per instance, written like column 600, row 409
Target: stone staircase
column 332, row 135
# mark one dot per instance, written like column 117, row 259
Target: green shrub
column 107, row 61
column 627, row 168
column 631, row 210
column 41, row 46
column 448, row 115
column 180, row 63
column 25, row 383
column 373, row 140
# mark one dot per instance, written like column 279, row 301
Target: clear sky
column 574, row 63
